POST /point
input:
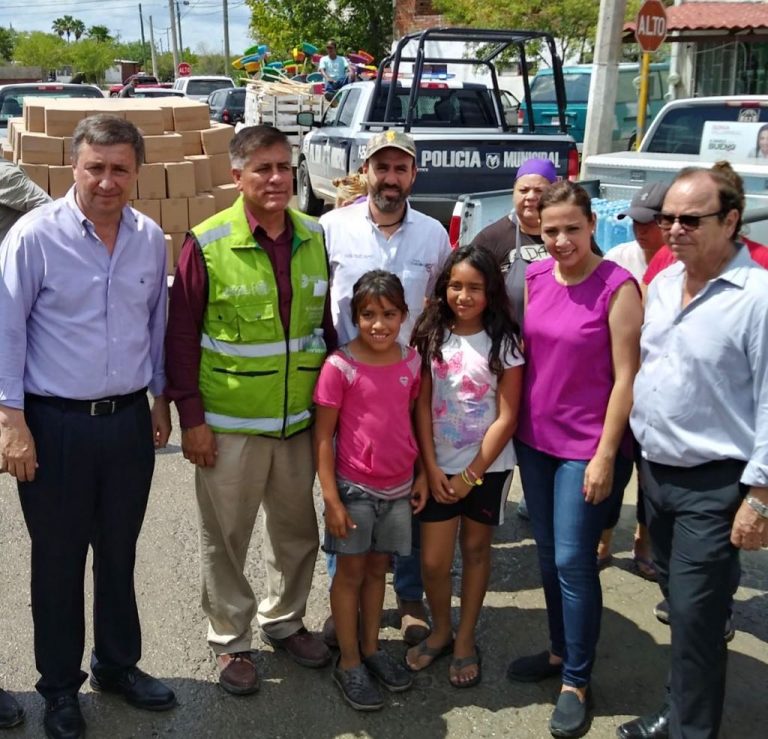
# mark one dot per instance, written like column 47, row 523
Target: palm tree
column 68, row 21
column 78, row 28
column 59, row 26
column 99, row 33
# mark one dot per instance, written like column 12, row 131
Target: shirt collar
column 407, row 216
column 128, row 217
column 253, row 223
column 737, row 269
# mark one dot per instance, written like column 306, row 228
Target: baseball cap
column 390, row 140
column 646, row 203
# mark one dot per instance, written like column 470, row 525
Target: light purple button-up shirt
column 76, row 322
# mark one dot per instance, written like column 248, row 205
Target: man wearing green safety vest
column 250, row 289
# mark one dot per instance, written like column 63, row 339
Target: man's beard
column 386, row 203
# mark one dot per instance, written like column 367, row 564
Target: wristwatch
column 757, row 506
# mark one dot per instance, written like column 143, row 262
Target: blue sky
column 201, row 20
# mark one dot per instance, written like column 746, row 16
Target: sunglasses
column 665, row 221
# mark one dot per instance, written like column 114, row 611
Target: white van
column 200, row 87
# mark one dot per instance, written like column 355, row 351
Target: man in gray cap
column 635, row 255
column 385, row 232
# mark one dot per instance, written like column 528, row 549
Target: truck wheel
column 309, row 203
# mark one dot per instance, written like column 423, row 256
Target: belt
column 100, row 407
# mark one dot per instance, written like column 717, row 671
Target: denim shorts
column 382, row 525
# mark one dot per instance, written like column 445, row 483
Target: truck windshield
column 679, row 132
column 576, row 88
column 454, row 107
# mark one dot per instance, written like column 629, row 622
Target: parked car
column 140, row 78
column 12, row 97
column 227, row 105
column 156, row 92
column 200, row 87
column 577, row 79
column 693, row 132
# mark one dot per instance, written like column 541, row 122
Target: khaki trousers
column 251, row 471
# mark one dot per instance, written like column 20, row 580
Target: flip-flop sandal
column 424, row 650
column 459, row 663
column 603, row 562
column 645, row 568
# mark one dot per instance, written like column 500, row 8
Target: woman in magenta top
column 581, row 344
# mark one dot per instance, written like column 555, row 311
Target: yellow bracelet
column 465, row 477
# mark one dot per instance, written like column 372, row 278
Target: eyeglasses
column 665, row 221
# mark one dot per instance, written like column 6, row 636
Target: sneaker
column 661, row 611
column 570, row 717
column 391, row 674
column 358, row 689
column 533, row 668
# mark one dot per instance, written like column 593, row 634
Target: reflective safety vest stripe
column 254, row 378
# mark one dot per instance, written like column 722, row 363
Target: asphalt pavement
column 296, row 702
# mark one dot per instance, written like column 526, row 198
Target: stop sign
column 184, row 69
column 651, row 26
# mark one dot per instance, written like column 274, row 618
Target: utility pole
column 143, row 42
column 154, row 52
column 178, row 18
column 174, row 47
column 598, row 133
column 226, row 36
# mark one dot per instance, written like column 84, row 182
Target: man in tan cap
column 385, row 232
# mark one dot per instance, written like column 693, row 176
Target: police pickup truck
column 468, row 135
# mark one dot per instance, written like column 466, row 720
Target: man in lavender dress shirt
column 82, row 321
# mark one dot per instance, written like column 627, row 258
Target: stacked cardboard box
column 186, row 176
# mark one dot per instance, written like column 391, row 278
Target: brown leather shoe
column 329, row 633
column 304, row 648
column 414, row 623
column 237, row 673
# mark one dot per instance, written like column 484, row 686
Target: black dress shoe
column 11, row 713
column 655, row 726
column 63, row 719
column 138, row 689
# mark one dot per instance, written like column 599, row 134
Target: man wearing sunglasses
column 701, row 419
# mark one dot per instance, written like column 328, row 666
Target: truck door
column 340, row 134
column 318, row 152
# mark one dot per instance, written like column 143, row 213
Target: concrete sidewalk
column 297, row 702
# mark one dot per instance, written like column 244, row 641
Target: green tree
column 572, row 22
column 7, row 42
column 91, row 58
column 99, row 33
column 59, row 27
column 38, row 49
column 355, row 24
column 78, row 28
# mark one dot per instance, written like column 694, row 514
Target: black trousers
column 690, row 512
column 91, row 488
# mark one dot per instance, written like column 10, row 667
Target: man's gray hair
column 250, row 139
column 107, row 130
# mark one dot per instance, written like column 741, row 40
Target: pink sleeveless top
column 568, row 366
